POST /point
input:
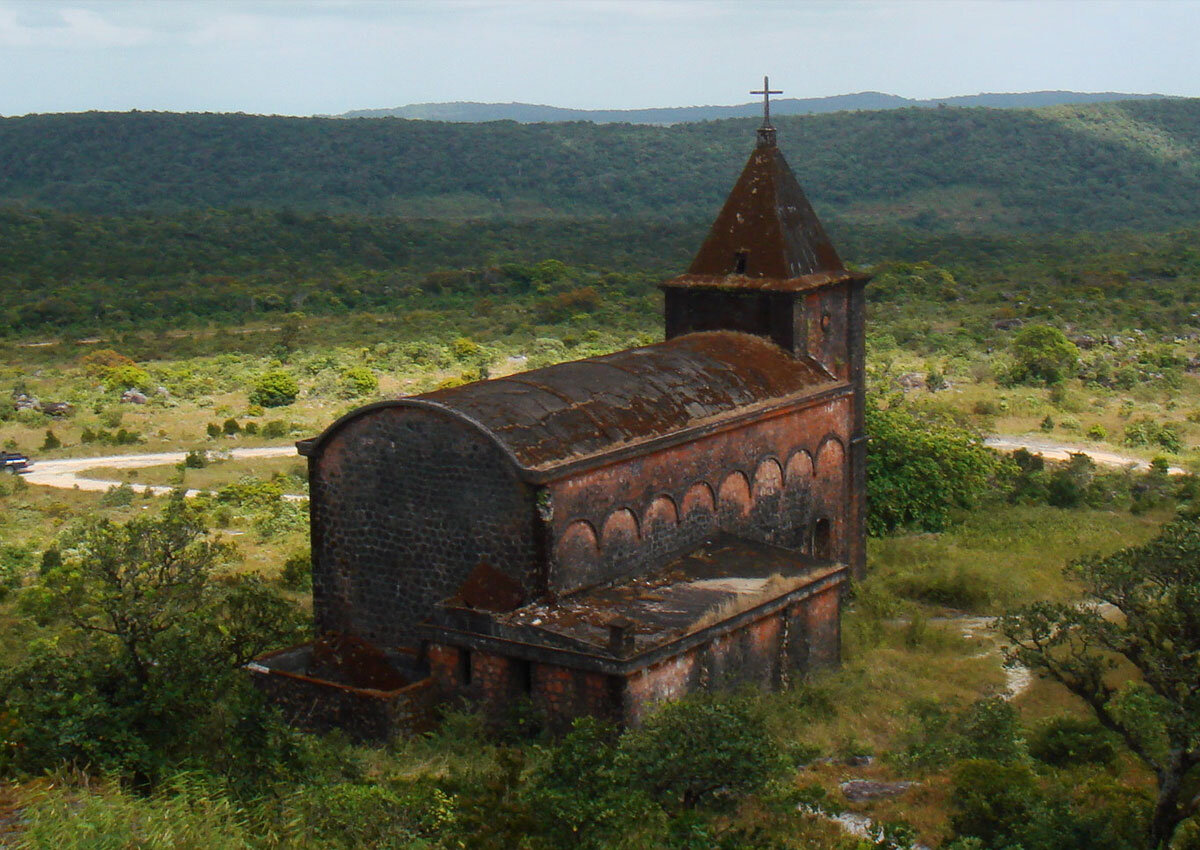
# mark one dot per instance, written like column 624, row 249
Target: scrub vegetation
column 224, row 315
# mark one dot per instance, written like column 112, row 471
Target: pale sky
column 302, row 57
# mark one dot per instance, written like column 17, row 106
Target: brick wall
column 405, row 503
column 769, row 653
column 769, row 480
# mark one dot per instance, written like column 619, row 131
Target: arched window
column 822, row 542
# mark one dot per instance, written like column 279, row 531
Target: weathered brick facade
column 598, row 536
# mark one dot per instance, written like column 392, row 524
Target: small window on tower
column 739, row 262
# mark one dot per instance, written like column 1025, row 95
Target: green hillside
column 1128, row 164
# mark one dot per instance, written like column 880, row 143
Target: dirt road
column 65, row 472
column 1054, row 450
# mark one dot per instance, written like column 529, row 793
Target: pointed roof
column 767, row 236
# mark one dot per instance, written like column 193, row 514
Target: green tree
column 687, row 750
column 146, row 674
column 274, row 389
column 1043, row 354
column 1154, row 625
column 920, row 469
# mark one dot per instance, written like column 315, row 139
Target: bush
column 274, row 389
column 1067, row 740
column 231, row 427
column 992, row 801
column 688, row 750
column 195, row 459
column 359, row 381
column 51, row 441
column 276, row 428
column 129, row 377
column 922, row 469
column 1043, row 354
column 297, row 572
column 1148, row 432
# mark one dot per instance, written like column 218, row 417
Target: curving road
column 65, row 472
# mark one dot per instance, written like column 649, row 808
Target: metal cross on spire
column 766, row 92
column 766, row 133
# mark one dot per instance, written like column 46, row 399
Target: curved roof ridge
column 614, row 401
column 578, row 410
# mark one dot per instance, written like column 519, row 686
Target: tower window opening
column 739, row 262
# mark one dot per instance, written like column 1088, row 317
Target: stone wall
column 405, row 502
column 768, row 652
column 771, row 479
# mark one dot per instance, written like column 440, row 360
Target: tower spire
column 766, row 133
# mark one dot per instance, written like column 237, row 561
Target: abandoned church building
column 600, row 535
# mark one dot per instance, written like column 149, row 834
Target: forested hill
column 533, row 112
column 1132, row 164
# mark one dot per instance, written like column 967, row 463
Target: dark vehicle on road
column 15, row 462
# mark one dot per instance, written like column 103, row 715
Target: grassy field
column 291, row 472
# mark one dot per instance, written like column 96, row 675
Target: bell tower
column 768, row 268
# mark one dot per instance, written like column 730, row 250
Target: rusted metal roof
column 767, row 235
column 570, row 411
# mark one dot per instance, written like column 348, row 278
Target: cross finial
column 766, row 92
column 766, row 133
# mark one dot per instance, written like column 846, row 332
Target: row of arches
column 775, row 498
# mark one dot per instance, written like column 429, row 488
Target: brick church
column 600, row 535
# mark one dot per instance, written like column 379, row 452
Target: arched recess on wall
column 661, row 515
column 768, row 479
column 733, row 496
column 578, row 544
column 698, row 499
column 620, row 529
column 799, row 469
column 831, row 460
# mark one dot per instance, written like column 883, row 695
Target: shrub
column 100, row 362
column 119, row 496
column 1043, row 354
column 231, row 427
column 921, row 470
column 129, row 377
column 1067, row 740
column 51, row 441
column 465, row 349
column 688, row 750
column 992, row 801
column 213, row 429
column 358, row 381
column 1149, row 432
column 195, row 459
column 276, row 428
column 274, row 389
column 1097, row 432
column 250, row 428
column 297, row 572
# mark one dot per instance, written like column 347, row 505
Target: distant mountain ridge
column 1132, row 164
column 532, row 113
